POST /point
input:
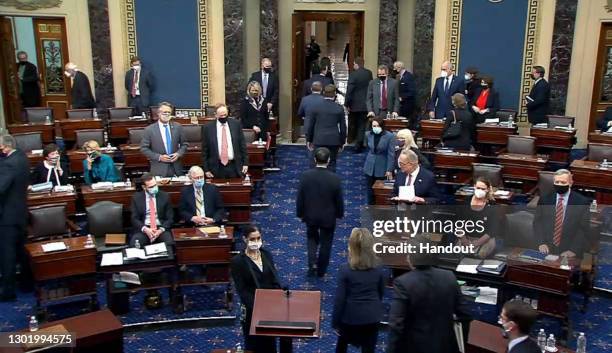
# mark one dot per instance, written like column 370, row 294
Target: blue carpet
column 284, row 235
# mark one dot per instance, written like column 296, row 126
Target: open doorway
column 337, row 35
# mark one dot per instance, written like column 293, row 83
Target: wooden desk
column 122, row 195
column 523, row 168
column 134, row 159
column 69, row 126
column 34, row 158
column 595, row 136
column 587, row 174
column 394, row 125
column 118, row 129
column 431, row 132
column 47, row 131
column 491, row 138
column 454, row 168
column 382, row 193
column 557, row 143
column 46, row 198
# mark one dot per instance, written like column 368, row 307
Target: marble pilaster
column 269, row 30
column 233, row 34
column 387, row 29
column 561, row 54
column 423, row 48
column 101, row 53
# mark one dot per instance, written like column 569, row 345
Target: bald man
column 201, row 203
column 268, row 80
column 446, row 85
column 82, row 98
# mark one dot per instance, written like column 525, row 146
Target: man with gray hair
column 82, row 98
column 406, row 91
column 29, row 91
column 446, row 85
column 14, row 180
column 561, row 223
column 414, row 184
column 382, row 95
column 201, row 203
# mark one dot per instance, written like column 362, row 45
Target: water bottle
column 128, row 183
column 47, row 120
column 239, row 348
column 518, row 297
column 33, row 324
column 593, row 207
column 109, row 146
column 564, row 263
column 271, row 115
column 551, row 343
column 510, row 120
column 247, row 180
column 144, row 115
column 542, row 340
column 137, row 244
column 89, row 243
column 388, row 115
column 222, row 233
column 581, row 343
column 569, row 126
column 604, row 163
column 95, row 113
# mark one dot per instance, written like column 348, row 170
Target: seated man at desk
column 420, row 181
column 561, row 222
column 201, row 204
column 98, row 167
column 152, row 214
column 52, row 168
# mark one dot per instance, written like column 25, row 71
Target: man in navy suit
column 139, row 84
column 539, row 98
column 406, row 92
column 318, row 75
column 268, row 80
column 517, row 318
column 355, row 102
column 446, row 85
column 412, row 175
column 201, row 203
column 311, row 100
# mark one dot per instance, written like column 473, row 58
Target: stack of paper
column 488, row 295
column 55, row 246
column 112, row 259
column 105, row 185
column 492, row 266
column 468, row 265
column 156, row 249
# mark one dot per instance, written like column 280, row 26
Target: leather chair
column 120, row 168
column 193, row 133
column 560, row 120
column 49, row 221
column 599, row 151
column 123, row 113
column 135, row 135
column 504, row 114
column 80, row 113
column 249, row 135
column 544, row 187
column 519, row 230
column 490, row 171
column 38, row 114
column 521, row 145
column 105, row 217
column 83, row 136
column 29, row 141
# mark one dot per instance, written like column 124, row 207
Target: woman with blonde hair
column 405, row 141
column 253, row 111
column 358, row 306
column 98, row 167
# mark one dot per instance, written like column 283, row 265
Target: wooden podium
column 297, row 315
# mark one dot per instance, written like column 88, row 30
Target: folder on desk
column 210, row 230
column 531, row 255
column 114, row 239
column 286, row 325
column 495, row 267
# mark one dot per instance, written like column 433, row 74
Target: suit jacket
column 440, row 102
column 602, row 124
column 468, row 130
column 407, row 87
column 213, row 203
column 145, row 86
column 319, row 198
column 317, row 77
column 14, row 181
column 325, row 124
column 425, row 185
column 307, row 103
column 538, row 108
column 526, row 346
column 492, row 105
column 271, row 94
column 576, row 226
column 248, row 280
column 152, row 146
column 30, row 91
column 472, row 87
column 138, row 208
column 421, row 314
column 251, row 116
column 82, row 98
column 210, row 149
column 359, row 296
column 381, row 159
column 373, row 100
column 357, row 90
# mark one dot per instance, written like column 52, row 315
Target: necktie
column 168, row 139
column 265, row 84
column 134, row 84
column 558, row 222
column 409, row 180
column 383, row 100
column 199, row 203
column 446, row 85
column 224, row 154
column 152, row 214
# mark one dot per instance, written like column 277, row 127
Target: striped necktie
column 558, row 222
column 199, row 203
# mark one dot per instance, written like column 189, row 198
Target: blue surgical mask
column 199, row 184
column 153, row 191
column 377, row 130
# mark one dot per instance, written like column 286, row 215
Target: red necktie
column 224, row 154
column 134, row 84
column 152, row 214
column 383, row 100
column 558, row 222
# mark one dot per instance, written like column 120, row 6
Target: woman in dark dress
column 459, row 115
column 253, row 111
column 485, row 103
column 472, row 82
column 253, row 268
column 481, row 207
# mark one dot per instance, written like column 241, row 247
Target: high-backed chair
column 519, row 230
column 599, row 151
column 544, row 187
column 49, row 221
column 38, row 114
column 123, row 113
column 490, row 171
column 521, row 144
column 120, row 168
column 80, row 113
column 560, row 120
column 154, row 112
column 193, row 133
column 83, row 136
column 504, row 114
column 249, row 135
column 29, row 141
column 105, row 217
column 135, row 135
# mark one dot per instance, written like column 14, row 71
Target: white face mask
column 443, row 73
column 467, row 77
column 480, row 194
column 136, row 67
column 254, row 245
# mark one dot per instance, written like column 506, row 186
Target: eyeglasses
column 165, row 113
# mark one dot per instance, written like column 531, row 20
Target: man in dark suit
column 413, row 177
column 605, row 122
column 326, row 126
column 224, row 149
column 407, row 93
column 201, row 204
column 311, row 100
column 138, row 84
column 82, row 98
column 446, row 85
column 517, row 318
column 152, row 214
column 355, row 102
column 164, row 144
column 269, row 85
column 319, row 203
column 382, row 96
column 538, row 99
column 561, row 222
column 14, row 180
column 318, row 75
column 29, row 91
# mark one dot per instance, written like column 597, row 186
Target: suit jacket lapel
column 157, row 131
column 213, row 139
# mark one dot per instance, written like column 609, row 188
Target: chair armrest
column 502, row 151
column 72, row 227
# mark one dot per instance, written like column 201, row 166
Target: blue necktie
column 168, row 140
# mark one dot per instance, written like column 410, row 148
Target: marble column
column 423, row 48
column 561, row 54
column 233, row 33
column 101, row 54
column 269, row 30
column 387, row 33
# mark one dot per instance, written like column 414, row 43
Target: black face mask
column 394, row 73
column 267, row 70
column 561, row 189
column 382, row 78
column 2, row 155
column 222, row 120
column 533, row 77
column 93, row 155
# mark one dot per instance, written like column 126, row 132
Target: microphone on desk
column 287, row 291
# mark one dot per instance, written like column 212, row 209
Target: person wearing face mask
column 98, row 167
column 151, row 214
column 139, row 85
column 406, row 93
column 382, row 95
column 380, row 160
column 404, row 141
column 318, row 74
column 52, row 169
column 538, row 100
column 412, row 175
column 268, row 80
column 561, row 223
column 81, row 96
column 516, row 319
column 446, row 86
column 485, row 103
column 355, row 102
column 472, row 82
column 201, row 203
column 459, row 128
column 29, row 89
column 253, row 113
column 164, row 143
column 253, row 269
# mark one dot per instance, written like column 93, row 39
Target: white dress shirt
column 137, row 81
column 265, row 81
column 516, row 341
column 230, row 147
column 413, row 176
